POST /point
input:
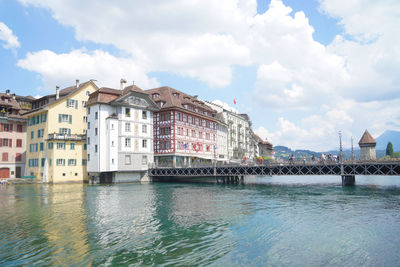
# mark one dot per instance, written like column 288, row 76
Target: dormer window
column 161, row 103
column 176, row 95
column 185, row 106
column 155, row 95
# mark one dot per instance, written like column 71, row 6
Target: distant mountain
column 386, row 137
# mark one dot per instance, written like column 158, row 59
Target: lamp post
column 341, row 147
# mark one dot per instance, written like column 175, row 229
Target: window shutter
column 59, row 117
column 1, row 128
column 11, row 127
column 76, row 104
column 10, row 142
column 70, row 119
column 67, row 102
column 69, row 131
column 1, row 142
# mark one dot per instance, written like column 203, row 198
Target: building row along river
column 83, row 133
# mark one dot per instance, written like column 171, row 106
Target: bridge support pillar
column 348, row 180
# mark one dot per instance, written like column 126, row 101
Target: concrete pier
column 348, row 180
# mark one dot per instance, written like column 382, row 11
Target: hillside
column 386, row 137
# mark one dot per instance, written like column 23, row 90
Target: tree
column 389, row 149
column 396, row 155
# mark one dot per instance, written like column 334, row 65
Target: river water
column 279, row 221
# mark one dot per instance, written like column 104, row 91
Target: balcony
column 72, row 137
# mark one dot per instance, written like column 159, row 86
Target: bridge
column 235, row 173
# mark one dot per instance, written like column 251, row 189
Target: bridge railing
column 298, row 162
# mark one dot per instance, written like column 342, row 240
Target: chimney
column 7, row 92
column 57, row 92
column 122, row 81
column 13, row 96
column 77, row 83
column 195, row 96
column 133, row 82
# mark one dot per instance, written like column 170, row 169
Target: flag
column 234, row 101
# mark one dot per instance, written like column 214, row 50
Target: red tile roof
column 367, row 139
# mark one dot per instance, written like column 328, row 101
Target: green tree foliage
column 396, row 155
column 389, row 149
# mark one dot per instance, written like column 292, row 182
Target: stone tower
column 367, row 145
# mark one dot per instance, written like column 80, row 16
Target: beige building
column 56, row 135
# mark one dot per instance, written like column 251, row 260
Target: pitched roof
column 367, row 139
column 50, row 99
column 175, row 98
column 13, row 101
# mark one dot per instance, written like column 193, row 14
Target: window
column 95, row 131
column 144, row 143
column 127, row 127
column 127, row 159
column 85, row 146
column 96, row 115
column 112, row 126
column 72, row 146
column 60, row 162
column 71, row 103
column 60, row 145
column 71, row 162
column 144, row 160
column 19, row 142
column 88, row 157
column 18, row 157
column 84, row 119
column 41, row 146
column 83, row 162
column 88, row 110
column 65, row 118
column 95, row 148
column 83, row 103
column 87, row 93
column 43, row 117
column 112, row 161
column 43, row 161
column 4, row 157
column 64, row 131
column 144, row 114
column 40, row 133
column 33, row 147
column 88, row 140
column 127, row 142
column 127, row 112
column 19, row 128
column 144, row 128
column 50, row 145
column 112, row 143
column 32, row 134
column 37, row 119
column 88, row 125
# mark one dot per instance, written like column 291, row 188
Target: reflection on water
column 280, row 222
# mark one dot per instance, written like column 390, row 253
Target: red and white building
column 13, row 134
column 185, row 128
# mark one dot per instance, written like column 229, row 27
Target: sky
column 302, row 70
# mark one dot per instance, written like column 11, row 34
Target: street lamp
column 341, row 148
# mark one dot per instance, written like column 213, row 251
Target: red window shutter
column 1, row 142
column 10, row 142
column 11, row 127
column 1, row 127
column 5, row 157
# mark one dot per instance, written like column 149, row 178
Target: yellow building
column 56, row 135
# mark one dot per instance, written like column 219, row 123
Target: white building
column 239, row 127
column 120, row 134
column 222, row 139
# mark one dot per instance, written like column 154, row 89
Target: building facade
column 185, row 128
column 120, row 134
column 239, row 126
column 367, row 146
column 13, row 134
column 56, row 135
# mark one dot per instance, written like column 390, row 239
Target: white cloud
column 63, row 69
column 7, row 36
column 225, row 105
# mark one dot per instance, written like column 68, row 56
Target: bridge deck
column 351, row 168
